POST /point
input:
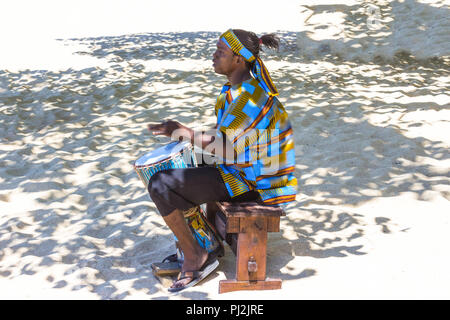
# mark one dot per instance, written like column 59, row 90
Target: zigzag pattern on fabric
column 269, row 194
column 220, row 103
column 236, row 111
column 248, row 140
column 249, row 185
column 229, row 97
column 233, row 41
column 277, row 116
column 267, row 79
column 278, row 173
column 280, row 199
column 237, row 187
column 262, row 143
column 278, row 182
column 260, row 116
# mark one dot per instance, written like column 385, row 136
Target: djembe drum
column 171, row 156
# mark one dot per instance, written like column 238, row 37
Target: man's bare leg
column 194, row 255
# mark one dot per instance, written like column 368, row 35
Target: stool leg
column 251, row 258
column 252, row 245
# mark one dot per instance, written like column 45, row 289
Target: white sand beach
column 366, row 87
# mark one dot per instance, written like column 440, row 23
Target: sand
column 372, row 148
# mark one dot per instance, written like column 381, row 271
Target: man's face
column 224, row 60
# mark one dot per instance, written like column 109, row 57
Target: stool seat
column 246, row 209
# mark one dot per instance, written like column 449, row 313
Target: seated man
column 252, row 136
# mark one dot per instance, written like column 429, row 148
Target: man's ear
column 240, row 59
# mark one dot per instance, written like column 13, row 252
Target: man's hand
column 171, row 129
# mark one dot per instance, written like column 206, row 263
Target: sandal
column 198, row 275
column 169, row 266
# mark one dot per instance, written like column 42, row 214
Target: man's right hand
column 172, row 129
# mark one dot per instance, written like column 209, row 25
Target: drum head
column 162, row 153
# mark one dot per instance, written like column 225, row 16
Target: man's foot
column 188, row 279
column 190, row 264
column 195, row 270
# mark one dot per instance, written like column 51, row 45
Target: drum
column 171, row 156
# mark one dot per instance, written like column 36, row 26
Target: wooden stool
column 244, row 227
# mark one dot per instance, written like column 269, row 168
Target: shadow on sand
column 74, row 134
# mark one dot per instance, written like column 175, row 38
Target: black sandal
column 198, row 275
column 169, row 266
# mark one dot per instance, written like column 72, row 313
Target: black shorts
column 186, row 188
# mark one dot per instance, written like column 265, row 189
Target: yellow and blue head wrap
column 258, row 70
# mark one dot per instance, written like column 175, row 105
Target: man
column 252, row 136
